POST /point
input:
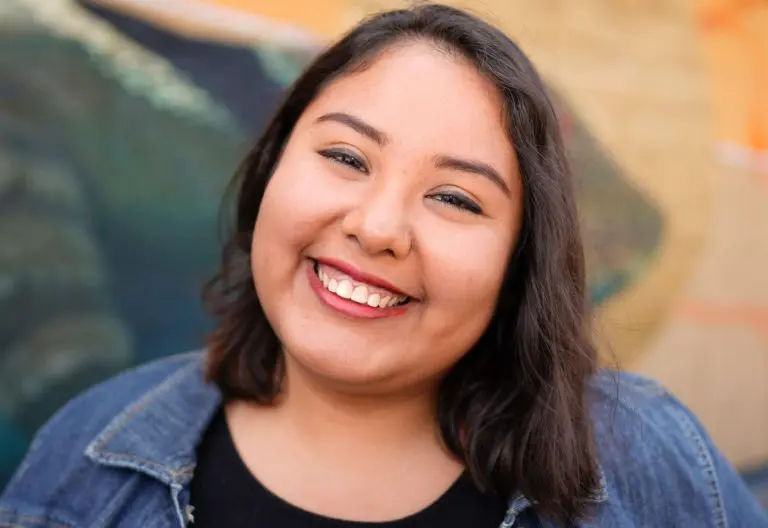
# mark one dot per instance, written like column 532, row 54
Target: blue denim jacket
column 123, row 455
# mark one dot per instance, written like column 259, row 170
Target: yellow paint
column 323, row 17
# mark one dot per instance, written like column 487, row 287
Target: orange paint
column 753, row 318
column 735, row 36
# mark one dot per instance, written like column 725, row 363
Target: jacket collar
column 158, row 434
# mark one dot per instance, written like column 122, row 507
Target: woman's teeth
column 359, row 294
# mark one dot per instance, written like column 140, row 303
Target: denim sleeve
column 737, row 506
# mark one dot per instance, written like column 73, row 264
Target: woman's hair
column 514, row 409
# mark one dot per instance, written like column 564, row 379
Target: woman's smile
column 354, row 293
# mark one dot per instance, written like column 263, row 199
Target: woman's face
column 384, row 234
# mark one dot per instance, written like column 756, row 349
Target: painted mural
column 113, row 151
column 115, row 148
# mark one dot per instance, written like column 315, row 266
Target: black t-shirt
column 225, row 494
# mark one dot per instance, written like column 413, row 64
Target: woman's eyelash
column 459, row 201
column 344, row 157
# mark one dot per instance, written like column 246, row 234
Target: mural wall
column 116, row 145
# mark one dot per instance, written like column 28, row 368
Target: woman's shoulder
column 93, row 409
column 659, row 461
column 125, row 421
column 630, row 410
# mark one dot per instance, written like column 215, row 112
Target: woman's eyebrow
column 473, row 167
column 356, row 124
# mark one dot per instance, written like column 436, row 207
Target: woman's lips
column 352, row 297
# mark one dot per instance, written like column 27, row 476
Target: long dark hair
column 514, row 408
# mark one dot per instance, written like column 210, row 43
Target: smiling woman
column 403, row 337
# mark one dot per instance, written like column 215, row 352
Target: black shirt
column 226, row 495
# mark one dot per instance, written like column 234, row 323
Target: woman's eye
column 347, row 158
column 459, row 201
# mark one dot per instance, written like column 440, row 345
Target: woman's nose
column 379, row 224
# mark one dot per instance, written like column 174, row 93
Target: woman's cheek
column 305, row 195
column 461, row 262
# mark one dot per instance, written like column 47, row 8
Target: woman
column 403, row 337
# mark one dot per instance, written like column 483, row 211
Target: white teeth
column 345, row 289
column 360, row 295
column 373, row 300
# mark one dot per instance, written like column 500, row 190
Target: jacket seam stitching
column 707, row 465
column 112, row 429
column 112, row 456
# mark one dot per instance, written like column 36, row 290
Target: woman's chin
column 341, row 367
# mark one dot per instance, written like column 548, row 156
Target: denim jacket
column 123, row 454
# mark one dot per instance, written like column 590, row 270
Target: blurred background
column 122, row 120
